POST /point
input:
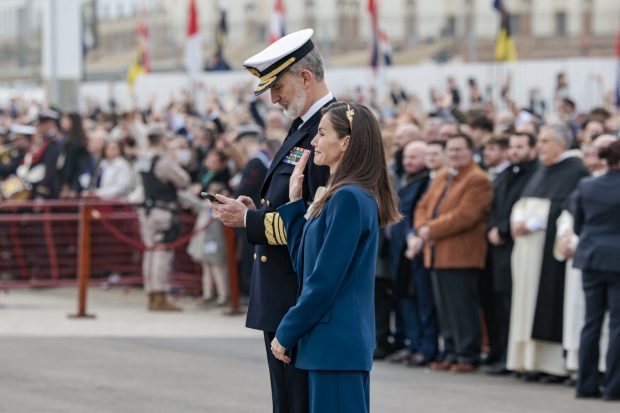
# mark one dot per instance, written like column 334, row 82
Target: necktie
column 443, row 195
column 294, row 126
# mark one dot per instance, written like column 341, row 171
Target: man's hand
column 247, row 201
column 519, row 229
column 296, row 181
column 279, row 351
column 566, row 246
column 494, row 237
column 231, row 211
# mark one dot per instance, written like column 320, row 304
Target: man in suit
column 507, row 188
column 412, row 281
column 598, row 256
column 292, row 69
column 450, row 222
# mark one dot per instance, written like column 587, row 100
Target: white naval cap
column 17, row 129
column 49, row 114
column 273, row 61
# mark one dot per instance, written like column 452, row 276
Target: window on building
column 410, row 21
column 449, row 29
column 560, row 23
column 515, row 24
column 309, row 19
column 347, row 22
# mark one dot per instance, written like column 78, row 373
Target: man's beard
column 297, row 104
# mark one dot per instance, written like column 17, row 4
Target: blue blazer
column 334, row 255
column 409, row 194
column 273, row 284
column 597, row 222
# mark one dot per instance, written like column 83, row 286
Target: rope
column 121, row 236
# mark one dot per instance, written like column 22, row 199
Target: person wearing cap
column 11, row 154
column 162, row 177
column 46, row 149
column 292, row 70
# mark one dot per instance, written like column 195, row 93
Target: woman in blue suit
column 333, row 246
column 597, row 222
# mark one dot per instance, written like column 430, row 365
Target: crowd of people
column 478, row 272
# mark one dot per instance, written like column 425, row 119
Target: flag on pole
column 505, row 49
column 142, row 60
column 618, row 70
column 385, row 47
column 222, row 28
column 278, row 21
column 380, row 49
column 193, row 47
column 374, row 42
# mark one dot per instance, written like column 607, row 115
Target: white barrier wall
column 541, row 74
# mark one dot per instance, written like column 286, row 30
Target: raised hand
column 297, row 178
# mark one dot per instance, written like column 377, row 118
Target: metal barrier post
column 231, row 247
column 83, row 267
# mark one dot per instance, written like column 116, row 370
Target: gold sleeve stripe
column 276, row 229
column 268, row 222
column 280, row 229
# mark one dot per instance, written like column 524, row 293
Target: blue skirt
column 339, row 391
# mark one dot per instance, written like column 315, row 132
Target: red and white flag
column 142, row 36
column 193, row 46
column 278, row 21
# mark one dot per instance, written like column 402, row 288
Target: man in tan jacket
column 450, row 224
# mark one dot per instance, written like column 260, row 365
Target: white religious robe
column 574, row 300
column 524, row 353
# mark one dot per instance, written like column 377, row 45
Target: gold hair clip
column 350, row 113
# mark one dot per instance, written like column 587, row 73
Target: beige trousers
column 218, row 274
column 156, row 265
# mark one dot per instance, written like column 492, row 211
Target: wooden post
column 83, row 266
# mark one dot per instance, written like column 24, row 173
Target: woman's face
column 65, row 123
column 328, row 148
column 112, row 150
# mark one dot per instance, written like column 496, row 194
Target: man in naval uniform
column 46, row 155
column 292, row 69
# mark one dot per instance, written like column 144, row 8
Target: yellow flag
column 505, row 49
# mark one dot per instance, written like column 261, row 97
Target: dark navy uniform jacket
column 335, row 254
column 598, row 224
column 274, row 286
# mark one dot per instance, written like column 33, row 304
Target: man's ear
column 307, row 77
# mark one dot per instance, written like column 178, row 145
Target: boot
column 151, row 304
column 161, row 303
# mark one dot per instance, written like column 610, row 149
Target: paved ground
column 129, row 360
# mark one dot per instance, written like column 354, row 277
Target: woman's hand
column 279, row 351
column 297, row 178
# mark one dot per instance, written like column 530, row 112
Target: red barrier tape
column 118, row 234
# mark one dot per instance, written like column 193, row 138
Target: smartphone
column 210, row 197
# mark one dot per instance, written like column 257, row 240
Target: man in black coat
column 412, row 284
column 253, row 174
column 46, row 155
column 597, row 223
column 507, row 189
column 292, row 69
